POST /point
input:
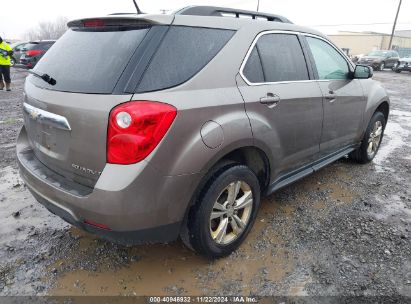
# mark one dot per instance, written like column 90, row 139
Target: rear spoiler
column 121, row 20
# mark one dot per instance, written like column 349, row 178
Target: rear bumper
column 163, row 234
column 135, row 202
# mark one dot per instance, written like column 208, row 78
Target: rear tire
column 371, row 141
column 224, row 212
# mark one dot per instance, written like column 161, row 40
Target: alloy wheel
column 231, row 213
column 375, row 139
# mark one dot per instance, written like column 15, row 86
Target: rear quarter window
column 182, row 54
column 253, row 70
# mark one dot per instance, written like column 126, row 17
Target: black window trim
column 311, row 67
column 139, row 61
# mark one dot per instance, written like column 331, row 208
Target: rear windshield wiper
column 46, row 77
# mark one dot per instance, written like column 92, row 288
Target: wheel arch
column 384, row 108
column 255, row 159
column 250, row 156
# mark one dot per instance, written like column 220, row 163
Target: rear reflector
column 135, row 129
column 94, row 23
column 96, row 225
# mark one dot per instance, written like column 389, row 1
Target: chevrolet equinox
column 146, row 128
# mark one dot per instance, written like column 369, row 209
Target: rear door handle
column 270, row 100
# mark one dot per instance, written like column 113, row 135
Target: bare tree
column 48, row 29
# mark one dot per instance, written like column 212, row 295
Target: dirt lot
column 342, row 231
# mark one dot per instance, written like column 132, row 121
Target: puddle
column 394, row 137
column 401, row 114
column 19, row 212
column 393, row 207
column 165, row 269
column 160, row 266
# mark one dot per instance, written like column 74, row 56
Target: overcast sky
column 24, row 14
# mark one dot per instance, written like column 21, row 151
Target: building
column 364, row 42
column 403, row 33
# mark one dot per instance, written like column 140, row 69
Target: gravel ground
column 342, row 231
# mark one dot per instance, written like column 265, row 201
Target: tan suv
column 144, row 128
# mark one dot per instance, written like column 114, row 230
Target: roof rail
column 229, row 12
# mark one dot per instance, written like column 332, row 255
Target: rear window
column 182, row 54
column 30, row 46
column 42, row 46
column 89, row 61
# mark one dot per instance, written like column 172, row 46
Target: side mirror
column 363, row 72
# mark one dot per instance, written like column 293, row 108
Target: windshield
column 89, row 61
column 378, row 53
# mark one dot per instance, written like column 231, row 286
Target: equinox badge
column 85, row 170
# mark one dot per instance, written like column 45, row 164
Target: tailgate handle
column 48, row 118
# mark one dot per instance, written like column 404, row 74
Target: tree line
column 48, row 29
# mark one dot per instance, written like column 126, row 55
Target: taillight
column 135, row 129
column 32, row 53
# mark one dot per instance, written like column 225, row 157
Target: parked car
column 17, row 51
column 147, row 128
column 33, row 51
column 403, row 64
column 380, row 60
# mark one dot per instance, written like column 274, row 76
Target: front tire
column 224, row 213
column 371, row 141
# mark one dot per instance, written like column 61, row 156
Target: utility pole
column 258, row 5
column 395, row 24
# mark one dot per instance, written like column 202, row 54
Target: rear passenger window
column 275, row 58
column 182, row 54
column 330, row 63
